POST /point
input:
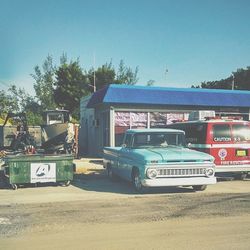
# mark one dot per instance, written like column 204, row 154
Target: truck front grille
column 175, row 172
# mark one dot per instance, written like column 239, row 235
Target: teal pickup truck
column 158, row 158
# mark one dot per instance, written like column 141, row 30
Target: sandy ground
column 94, row 213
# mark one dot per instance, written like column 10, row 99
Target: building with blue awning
column 109, row 112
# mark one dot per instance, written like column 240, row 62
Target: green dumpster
column 24, row 169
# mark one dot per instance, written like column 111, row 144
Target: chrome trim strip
column 182, row 165
column 180, row 172
column 232, row 168
column 165, row 182
column 245, row 146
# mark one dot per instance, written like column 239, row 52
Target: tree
column 65, row 85
column 14, row 99
column 34, row 112
column 126, row 75
column 71, row 84
column 241, row 80
column 107, row 74
column 26, row 103
column 44, row 81
column 150, row 82
column 18, row 100
column 7, row 104
column 103, row 75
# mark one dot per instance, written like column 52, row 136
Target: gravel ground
column 93, row 205
column 18, row 218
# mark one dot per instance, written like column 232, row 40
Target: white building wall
column 95, row 123
column 85, row 131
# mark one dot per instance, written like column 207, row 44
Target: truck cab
column 227, row 140
column 159, row 158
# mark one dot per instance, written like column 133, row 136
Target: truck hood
column 171, row 154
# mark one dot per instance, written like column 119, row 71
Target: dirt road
column 94, row 213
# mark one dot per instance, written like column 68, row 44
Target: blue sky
column 195, row 40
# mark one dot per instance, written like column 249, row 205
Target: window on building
column 136, row 120
column 122, row 124
column 128, row 120
column 139, row 119
column 158, row 119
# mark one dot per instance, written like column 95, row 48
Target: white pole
column 166, row 72
column 94, row 86
column 233, row 81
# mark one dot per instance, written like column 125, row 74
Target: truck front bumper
column 167, row 182
column 232, row 168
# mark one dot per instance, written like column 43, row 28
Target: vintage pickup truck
column 158, row 158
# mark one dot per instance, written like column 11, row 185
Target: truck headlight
column 151, row 173
column 209, row 172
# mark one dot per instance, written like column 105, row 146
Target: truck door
column 221, row 143
column 124, row 159
column 241, row 141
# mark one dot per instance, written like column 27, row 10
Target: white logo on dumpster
column 42, row 172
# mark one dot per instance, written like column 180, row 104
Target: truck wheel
column 200, row 187
column 241, row 176
column 136, row 181
column 66, row 183
column 14, row 186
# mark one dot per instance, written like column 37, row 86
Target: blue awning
column 127, row 94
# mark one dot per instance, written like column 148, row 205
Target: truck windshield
column 241, row 132
column 159, row 140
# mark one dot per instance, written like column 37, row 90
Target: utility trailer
column 36, row 154
column 56, row 136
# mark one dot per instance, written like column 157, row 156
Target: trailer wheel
column 66, row 183
column 14, row 186
column 200, row 187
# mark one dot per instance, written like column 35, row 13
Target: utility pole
column 94, row 82
column 233, row 81
column 94, row 86
column 166, row 72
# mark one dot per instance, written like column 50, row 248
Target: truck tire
column 64, row 183
column 136, row 181
column 200, row 187
column 241, row 176
column 14, row 186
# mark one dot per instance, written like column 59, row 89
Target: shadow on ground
column 98, row 181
